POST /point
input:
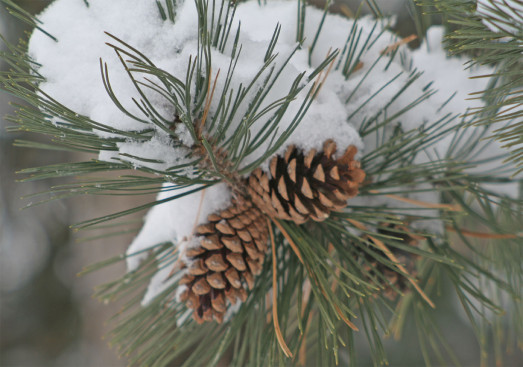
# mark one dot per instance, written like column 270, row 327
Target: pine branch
column 327, row 281
column 490, row 33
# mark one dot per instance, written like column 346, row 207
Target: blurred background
column 47, row 314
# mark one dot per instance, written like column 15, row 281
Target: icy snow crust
column 72, row 71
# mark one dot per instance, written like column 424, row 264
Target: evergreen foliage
column 492, row 35
column 324, row 294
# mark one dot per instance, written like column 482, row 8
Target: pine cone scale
column 233, row 277
column 233, row 243
column 230, row 252
column 301, row 186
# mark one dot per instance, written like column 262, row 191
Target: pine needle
column 289, row 239
column 208, row 101
column 345, row 10
column 302, row 357
column 177, row 265
column 199, row 212
column 424, row 204
column 345, row 319
column 358, row 66
column 484, row 235
column 397, row 324
column 334, row 284
column 395, row 45
column 333, row 289
column 277, row 329
column 357, row 224
column 303, row 350
column 306, row 295
column 317, row 86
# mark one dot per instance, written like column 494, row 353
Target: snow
column 502, row 15
column 174, row 221
column 157, row 149
column 71, row 67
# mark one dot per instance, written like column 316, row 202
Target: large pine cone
column 389, row 279
column 306, row 186
column 231, row 251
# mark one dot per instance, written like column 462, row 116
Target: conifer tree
column 316, row 178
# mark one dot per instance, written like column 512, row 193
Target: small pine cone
column 307, row 186
column 393, row 281
column 231, row 251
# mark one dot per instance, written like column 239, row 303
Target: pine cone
column 306, row 186
column 231, row 251
column 393, row 281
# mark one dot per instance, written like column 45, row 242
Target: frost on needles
column 366, row 85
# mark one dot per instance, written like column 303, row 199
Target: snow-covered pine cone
column 302, row 186
column 231, row 251
column 393, row 281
